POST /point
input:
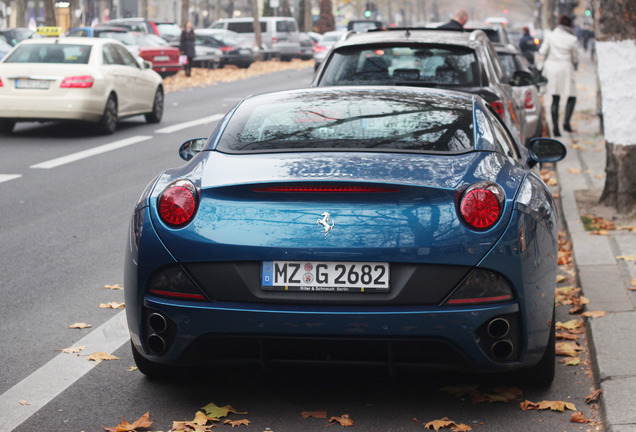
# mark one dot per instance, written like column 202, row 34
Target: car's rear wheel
column 108, row 122
column 157, row 108
column 6, row 126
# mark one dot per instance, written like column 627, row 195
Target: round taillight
column 480, row 208
column 177, row 204
column 528, row 102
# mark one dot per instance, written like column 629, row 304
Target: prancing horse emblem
column 324, row 222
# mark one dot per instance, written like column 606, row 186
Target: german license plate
column 23, row 83
column 161, row 58
column 322, row 276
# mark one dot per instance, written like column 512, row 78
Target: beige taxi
column 86, row 79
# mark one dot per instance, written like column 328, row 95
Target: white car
column 88, row 79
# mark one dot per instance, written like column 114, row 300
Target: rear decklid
column 380, row 206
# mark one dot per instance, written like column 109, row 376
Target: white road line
column 7, row 177
column 180, row 126
column 53, row 163
column 61, row 372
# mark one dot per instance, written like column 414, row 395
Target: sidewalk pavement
column 604, row 278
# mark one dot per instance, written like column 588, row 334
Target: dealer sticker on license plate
column 322, row 276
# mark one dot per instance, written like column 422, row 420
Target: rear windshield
column 50, row 53
column 245, row 27
column 426, row 65
column 350, row 120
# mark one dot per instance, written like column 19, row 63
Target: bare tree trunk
column 185, row 11
column 49, row 13
column 615, row 23
column 309, row 19
column 19, row 13
column 144, row 8
column 258, row 41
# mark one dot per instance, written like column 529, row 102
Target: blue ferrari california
column 368, row 224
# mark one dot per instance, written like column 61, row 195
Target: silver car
column 512, row 61
column 324, row 45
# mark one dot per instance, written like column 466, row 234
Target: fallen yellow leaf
column 568, row 349
column 99, row 356
column 114, row 287
column 73, row 350
column 571, row 361
column 578, row 417
column 593, row 397
column 112, row 305
column 569, row 325
column 594, row 314
column 23, row 402
column 216, row 412
column 79, row 326
column 132, row 368
column 124, row 426
column 237, row 422
column 344, row 420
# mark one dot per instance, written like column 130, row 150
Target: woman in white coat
column 561, row 58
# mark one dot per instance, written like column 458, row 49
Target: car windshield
column 169, row 30
column 508, row 62
column 143, row 39
column 123, row 37
column 50, row 53
column 426, row 65
column 350, row 120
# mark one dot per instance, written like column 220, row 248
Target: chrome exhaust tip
column 498, row 328
column 502, row 349
column 156, row 344
column 157, row 323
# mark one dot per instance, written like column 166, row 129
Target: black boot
column 569, row 109
column 555, row 116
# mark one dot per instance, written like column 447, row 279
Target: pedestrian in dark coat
column 186, row 46
column 457, row 22
column 527, row 45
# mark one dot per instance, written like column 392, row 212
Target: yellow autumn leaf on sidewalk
column 594, row 314
column 73, row 350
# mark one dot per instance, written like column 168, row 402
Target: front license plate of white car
column 161, row 58
column 324, row 276
column 23, row 83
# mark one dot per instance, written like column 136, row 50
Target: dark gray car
column 463, row 61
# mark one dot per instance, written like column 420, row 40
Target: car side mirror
column 543, row 150
column 522, row 79
column 540, row 80
column 191, row 148
column 147, row 64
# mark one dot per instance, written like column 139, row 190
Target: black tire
column 6, row 126
column 542, row 374
column 157, row 108
column 108, row 122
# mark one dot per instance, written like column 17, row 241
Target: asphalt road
column 63, row 220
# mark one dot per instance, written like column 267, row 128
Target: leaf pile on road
column 204, row 77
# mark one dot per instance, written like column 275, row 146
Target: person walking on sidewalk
column 186, row 46
column 560, row 59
